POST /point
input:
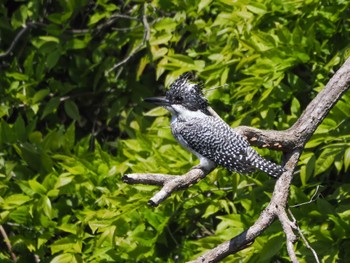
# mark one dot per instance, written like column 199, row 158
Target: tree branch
column 288, row 227
column 291, row 141
column 274, row 140
column 20, row 33
column 109, row 22
column 146, row 36
column 8, row 243
column 170, row 183
column 303, row 237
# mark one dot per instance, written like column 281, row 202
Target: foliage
column 72, row 123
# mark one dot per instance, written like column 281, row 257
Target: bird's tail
column 264, row 165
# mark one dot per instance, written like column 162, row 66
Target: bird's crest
column 187, row 93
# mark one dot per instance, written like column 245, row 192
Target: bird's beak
column 159, row 101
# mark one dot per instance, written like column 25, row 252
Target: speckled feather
column 208, row 137
column 217, row 141
column 188, row 94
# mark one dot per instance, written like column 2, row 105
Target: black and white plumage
column 212, row 140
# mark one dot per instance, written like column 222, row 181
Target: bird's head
column 182, row 95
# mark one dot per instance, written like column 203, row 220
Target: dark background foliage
column 72, row 78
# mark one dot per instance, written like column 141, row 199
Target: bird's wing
column 216, row 141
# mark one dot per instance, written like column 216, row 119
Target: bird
column 209, row 137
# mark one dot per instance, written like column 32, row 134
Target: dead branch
column 8, row 243
column 146, row 36
column 170, row 183
column 291, row 142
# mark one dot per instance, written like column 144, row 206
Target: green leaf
column 325, row 161
column 66, row 245
column 271, row 248
column 72, row 110
column 347, row 159
column 306, row 170
column 19, row 17
column 167, row 24
column 295, row 107
column 19, row 130
column 15, row 200
column 4, row 110
column 156, row 112
column 202, row 4
column 210, row 210
column 69, row 138
column 16, row 76
column 51, row 107
column 46, row 206
column 97, row 224
column 69, row 228
column 37, row 187
column 181, row 59
column 95, row 18
column 76, row 44
column 106, row 238
column 52, row 58
column 59, row 18
column 66, row 258
column 40, row 95
column 49, row 39
column 257, row 8
column 21, row 214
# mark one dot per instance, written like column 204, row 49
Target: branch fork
column 291, row 142
column 170, row 183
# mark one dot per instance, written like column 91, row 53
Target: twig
column 8, row 243
column 16, row 39
column 312, row 199
column 107, row 23
column 146, row 36
column 123, row 16
column 291, row 238
column 303, row 237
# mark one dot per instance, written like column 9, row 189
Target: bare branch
column 123, row 16
column 241, row 241
column 312, row 199
column 278, row 203
column 107, row 23
column 151, row 179
column 319, row 107
column 8, row 243
column 146, row 36
column 170, row 183
column 311, row 118
column 303, row 237
column 16, row 39
column 291, row 238
column 274, row 140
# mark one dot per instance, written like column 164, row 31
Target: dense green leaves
column 72, row 123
